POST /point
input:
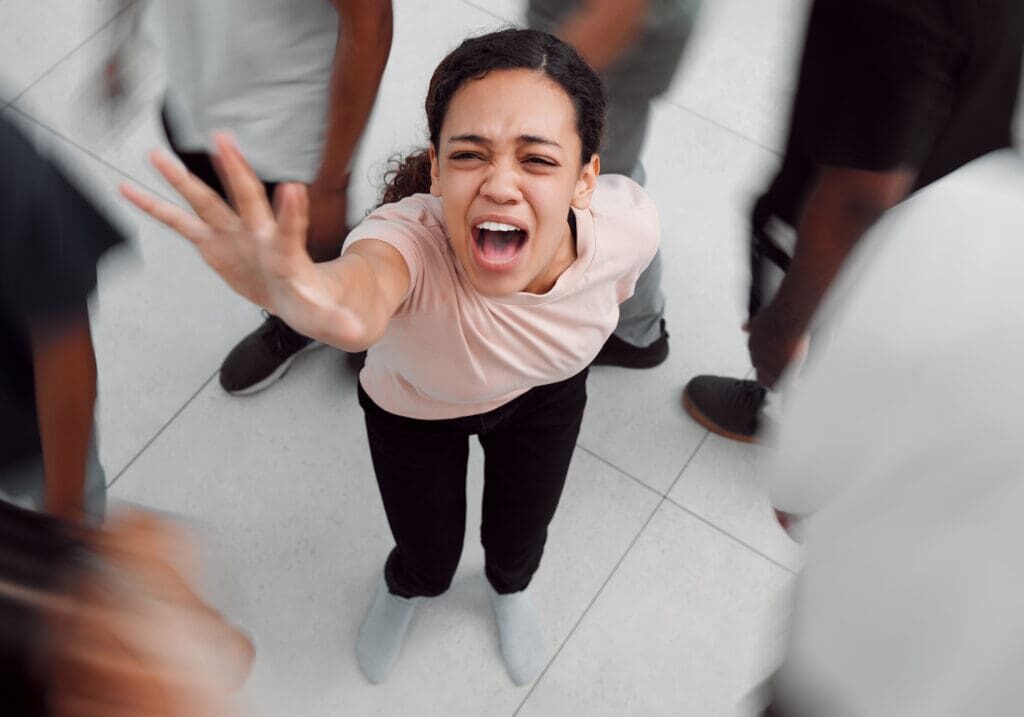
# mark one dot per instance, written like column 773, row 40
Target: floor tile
column 740, row 68
column 67, row 101
column 282, row 483
column 725, row 485
column 688, row 625
column 36, row 34
column 703, row 180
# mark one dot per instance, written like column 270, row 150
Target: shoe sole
column 277, row 373
column 703, row 420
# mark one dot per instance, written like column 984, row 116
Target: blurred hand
column 328, row 219
column 261, row 256
column 135, row 640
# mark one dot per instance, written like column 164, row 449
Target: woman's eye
column 465, row 155
column 540, row 160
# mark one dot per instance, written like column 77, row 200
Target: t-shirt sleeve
column 879, row 80
column 52, row 236
column 410, row 227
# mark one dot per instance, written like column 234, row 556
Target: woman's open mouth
column 497, row 244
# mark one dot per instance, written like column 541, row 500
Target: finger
column 171, row 215
column 245, row 189
column 292, row 211
column 206, row 202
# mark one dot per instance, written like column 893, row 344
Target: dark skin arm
column 65, row 390
column 364, row 43
column 602, row 30
column 840, row 209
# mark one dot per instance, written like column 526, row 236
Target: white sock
column 520, row 635
column 383, row 632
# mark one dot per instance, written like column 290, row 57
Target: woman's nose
column 502, row 184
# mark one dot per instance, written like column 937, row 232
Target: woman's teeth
column 497, row 227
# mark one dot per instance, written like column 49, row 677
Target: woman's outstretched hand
column 262, row 256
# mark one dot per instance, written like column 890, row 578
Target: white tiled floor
column 665, row 573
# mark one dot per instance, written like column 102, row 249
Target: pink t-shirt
column 449, row 351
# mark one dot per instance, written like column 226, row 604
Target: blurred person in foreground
column 892, row 95
column 51, row 241
column 294, row 81
column 909, row 499
column 636, row 46
column 107, row 623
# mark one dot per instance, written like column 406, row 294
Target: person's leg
column 527, row 457
column 421, row 472
column 640, row 316
column 24, row 485
column 733, row 407
column 266, row 354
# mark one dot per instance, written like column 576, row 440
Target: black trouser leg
column 527, row 457
column 201, row 165
column 421, row 472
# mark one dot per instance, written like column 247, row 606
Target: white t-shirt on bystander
column 258, row 68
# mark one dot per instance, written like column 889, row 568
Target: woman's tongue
column 498, row 246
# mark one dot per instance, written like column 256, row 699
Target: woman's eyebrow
column 537, row 139
column 523, row 139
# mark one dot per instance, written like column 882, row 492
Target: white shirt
column 903, row 440
column 259, row 68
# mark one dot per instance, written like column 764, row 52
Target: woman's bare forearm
column 346, row 302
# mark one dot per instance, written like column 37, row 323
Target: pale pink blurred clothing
column 451, row 352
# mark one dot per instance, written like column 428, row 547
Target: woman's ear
column 587, row 183
column 435, row 173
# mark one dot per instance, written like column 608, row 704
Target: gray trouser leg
column 628, row 117
column 24, row 485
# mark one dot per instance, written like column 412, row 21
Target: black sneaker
column 262, row 357
column 730, row 407
column 617, row 352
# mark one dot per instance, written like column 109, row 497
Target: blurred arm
column 602, row 30
column 841, row 208
column 364, row 42
column 65, row 385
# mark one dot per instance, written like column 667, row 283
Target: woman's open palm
column 260, row 255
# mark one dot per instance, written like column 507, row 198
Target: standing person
column 484, row 287
column 636, row 46
column 51, row 241
column 893, row 94
column 295, row 82
column 910, row 498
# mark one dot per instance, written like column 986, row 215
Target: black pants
column 200, row 164
column 421, row 470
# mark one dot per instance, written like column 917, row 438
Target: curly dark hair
column 503, row 50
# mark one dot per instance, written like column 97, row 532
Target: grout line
column 71, row 52
column 619, row 470
column 92, row 155
column 614, row 569
column 716, row 123
column 726, row 533
column 688, row 462
column 664, row 97
column 586, row 610
column 493, row 14
column 162, row 429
